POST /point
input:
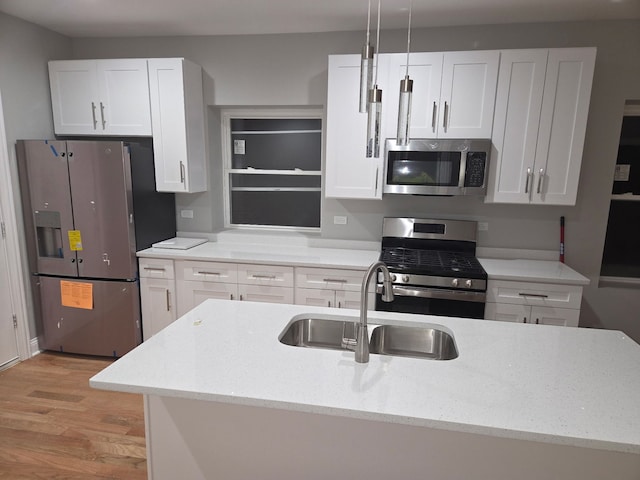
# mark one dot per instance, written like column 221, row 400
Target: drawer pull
column 267, row 277
column 208, row 273
column 335, row 280
column 537, row 295
column 155, row 269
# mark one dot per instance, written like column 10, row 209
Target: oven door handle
column 437, row 293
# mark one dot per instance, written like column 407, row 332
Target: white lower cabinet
column 157, row 295
column 198, row 281
column 523, row 302
column 506, row 312
column 324, row 287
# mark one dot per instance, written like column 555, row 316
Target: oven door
column 433, row 301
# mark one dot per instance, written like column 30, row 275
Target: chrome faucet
column 362, row 334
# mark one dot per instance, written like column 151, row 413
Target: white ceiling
column 120, row 18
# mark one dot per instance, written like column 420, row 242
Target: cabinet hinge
column 15, row 321
column 4, row 230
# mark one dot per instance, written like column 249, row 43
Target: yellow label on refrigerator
column 75, row 240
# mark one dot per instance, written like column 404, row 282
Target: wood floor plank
column 54, row 426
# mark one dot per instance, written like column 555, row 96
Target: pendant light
column 406, row 90
column 374, row 111
column 366, row 68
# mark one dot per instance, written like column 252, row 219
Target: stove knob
column 454, row 282
column 393, row 277
column 405, row 278
column 468, row 283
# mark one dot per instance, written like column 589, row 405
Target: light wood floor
column 54, row 426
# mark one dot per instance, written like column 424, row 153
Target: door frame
column 13, row 245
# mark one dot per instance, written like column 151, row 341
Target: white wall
column 24, row 83
column 292, row 70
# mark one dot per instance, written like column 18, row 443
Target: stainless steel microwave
column 437, row 167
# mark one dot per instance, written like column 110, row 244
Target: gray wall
column 292, row 70
column 24, row 83
column 287, row 70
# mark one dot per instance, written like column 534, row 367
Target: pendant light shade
column 366, row 68
column 406, row 91
column 374, row 108
column 374, row 116
column 404, row 110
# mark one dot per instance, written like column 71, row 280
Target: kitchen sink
column 418, row 342
column 318, row 333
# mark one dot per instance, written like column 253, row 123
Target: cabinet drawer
column 207, row 271
column 156, row 268
column 327, row 278
column 193, row 293
column 265, row 294
column 272, row 275
column 540, row 294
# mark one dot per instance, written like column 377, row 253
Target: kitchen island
column 225, row 399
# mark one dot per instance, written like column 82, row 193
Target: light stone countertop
column 571, row 386
column 355, row 259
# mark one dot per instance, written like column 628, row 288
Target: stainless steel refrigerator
column 88, row 207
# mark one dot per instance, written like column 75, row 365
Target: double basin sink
column 415, row 341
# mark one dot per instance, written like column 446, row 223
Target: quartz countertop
column 570, row 386
column 356, row 259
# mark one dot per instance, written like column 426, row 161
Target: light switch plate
column 186, row 213
column 483, row 226
column 340, row 220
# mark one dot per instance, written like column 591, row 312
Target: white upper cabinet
column 453, row 93
column 177, row 113
column 100, row 97
column 540, row 121
column 348, row 172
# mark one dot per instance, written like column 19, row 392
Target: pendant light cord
column 409, row 36
column 368, row 20
column 377, row 45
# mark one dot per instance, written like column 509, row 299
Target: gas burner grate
column 430, row 260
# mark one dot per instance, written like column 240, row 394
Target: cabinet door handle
column 537, row 321
column 102, row 115
column 525, row 320
column 444, row 117
column 433, row 117
column 540, row 178
column 240, row 297
column 537, row 295
column 335, row 280
column 168, row 302
column 93, row 115
column 376, row 189
column 339, row 304
column 526, row 186
column 181, row 172
column 231, row 296
column 328, row 303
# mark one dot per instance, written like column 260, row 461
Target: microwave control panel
column 475, row 168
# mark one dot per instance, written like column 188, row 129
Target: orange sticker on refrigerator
column 75, row 240
column 76, row 294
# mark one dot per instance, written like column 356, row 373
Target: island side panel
column 203, row 440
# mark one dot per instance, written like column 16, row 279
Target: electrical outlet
column 186, row 213
column 483, row 226
column 340, row 220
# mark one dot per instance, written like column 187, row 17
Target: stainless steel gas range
column 434, row 267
